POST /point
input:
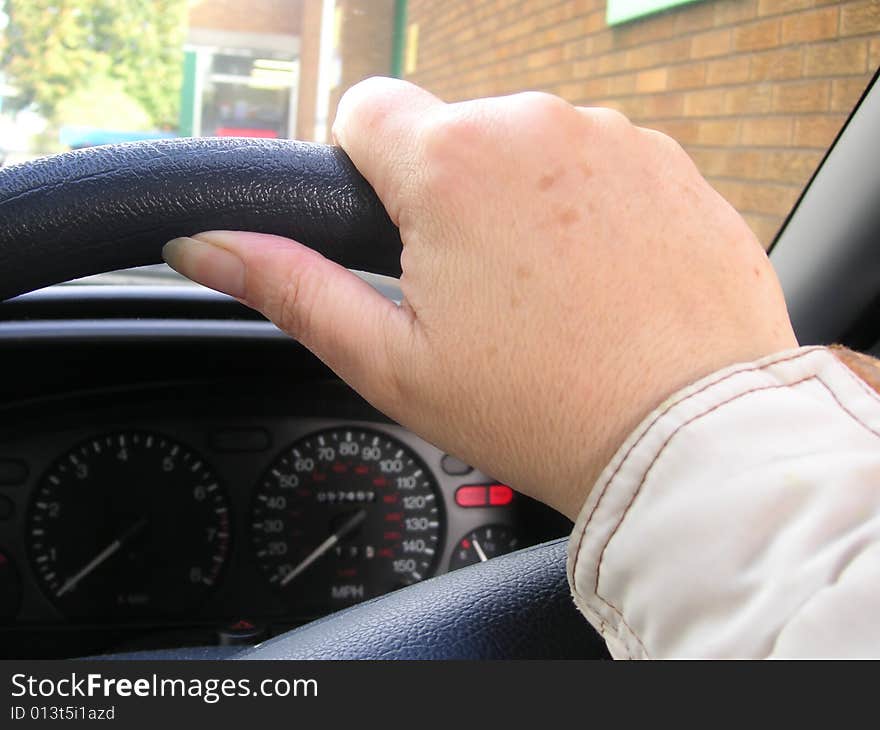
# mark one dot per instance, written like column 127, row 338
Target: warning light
column 472, row 496
column 484, row 495
column 500, row 495
column 243, row 625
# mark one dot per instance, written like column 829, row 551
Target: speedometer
column 343, row 515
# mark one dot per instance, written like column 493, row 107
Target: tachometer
column 128, row 524
column 344, row 515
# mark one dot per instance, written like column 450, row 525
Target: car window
column 755, row 90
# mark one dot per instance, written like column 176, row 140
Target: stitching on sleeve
column 657, row 456
column 796, row 356
column 689, row 422
column 647, row 430
column 861, row 383
column 846, row 410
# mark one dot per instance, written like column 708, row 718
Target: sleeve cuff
column 677, row 550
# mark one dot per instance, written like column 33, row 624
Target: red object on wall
column 246, row 132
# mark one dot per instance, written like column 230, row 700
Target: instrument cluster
column 251, row 524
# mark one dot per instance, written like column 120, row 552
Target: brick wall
column 309, row 51
column 366, row 28
column 247, row 16
column 755, row 90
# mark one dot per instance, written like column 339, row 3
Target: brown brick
column 661, row 106
column 781, row 7
column 713, row 43
column 748, row 100
column 612, row 62
column 757, row 36
column 687, row 76
column 785, row 63
column 684, row 131
column 817, row 131
column 709, row 161
column 835, row 59
column 704, row 103
column 846, row 92
column 792, row 166
column 812, row 26
column 653, row 80
column 721, row 132
column 776, row 199
column 734, row 11
column 259, row 16
column 654, row 54
column 733, row 70
column 743, row 163
column 766, row 132
column 621, row 85
column 860, row 18
column 586, row 89
column 874, row 55
column 802, row 96
column 699, row 17
column 764, row 227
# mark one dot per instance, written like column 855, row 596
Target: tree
column 56, row 48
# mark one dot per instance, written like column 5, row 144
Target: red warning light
column 484, row 495
column 472, row 495
column 500, row 495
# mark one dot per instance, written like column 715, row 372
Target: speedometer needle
column 347, row 527
column 101, row 557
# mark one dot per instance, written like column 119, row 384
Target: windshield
column 755, row 90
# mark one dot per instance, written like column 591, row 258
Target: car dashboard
column 174, row 471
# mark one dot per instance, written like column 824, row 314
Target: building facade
column 755, row 90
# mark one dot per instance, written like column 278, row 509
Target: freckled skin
column 584, row 256
column 546, row 182
column 568, row 216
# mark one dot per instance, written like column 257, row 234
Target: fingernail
column 203, row 262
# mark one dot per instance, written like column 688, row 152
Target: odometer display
column 129, row 524
column 344, row 515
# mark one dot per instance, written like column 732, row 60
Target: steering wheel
column 108, row 208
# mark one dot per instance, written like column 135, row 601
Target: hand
column 563, row 271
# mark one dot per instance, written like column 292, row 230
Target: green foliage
column 55, row 49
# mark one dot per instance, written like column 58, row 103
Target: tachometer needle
column 479, row 550
column 101, row 557
column 347, row 527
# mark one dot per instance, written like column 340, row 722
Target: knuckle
column 446, row 131
column 605, row 120
column 542, row 104
column 447, row 137
column 296, row 304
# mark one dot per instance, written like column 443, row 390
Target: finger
column 349, row 325
column 377, row 124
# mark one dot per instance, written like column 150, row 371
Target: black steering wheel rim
column 108, row 208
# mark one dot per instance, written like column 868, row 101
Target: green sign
column 620, row 11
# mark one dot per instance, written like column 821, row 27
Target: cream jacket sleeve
column 741, row 519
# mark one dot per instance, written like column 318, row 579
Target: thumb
column 355, row 330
